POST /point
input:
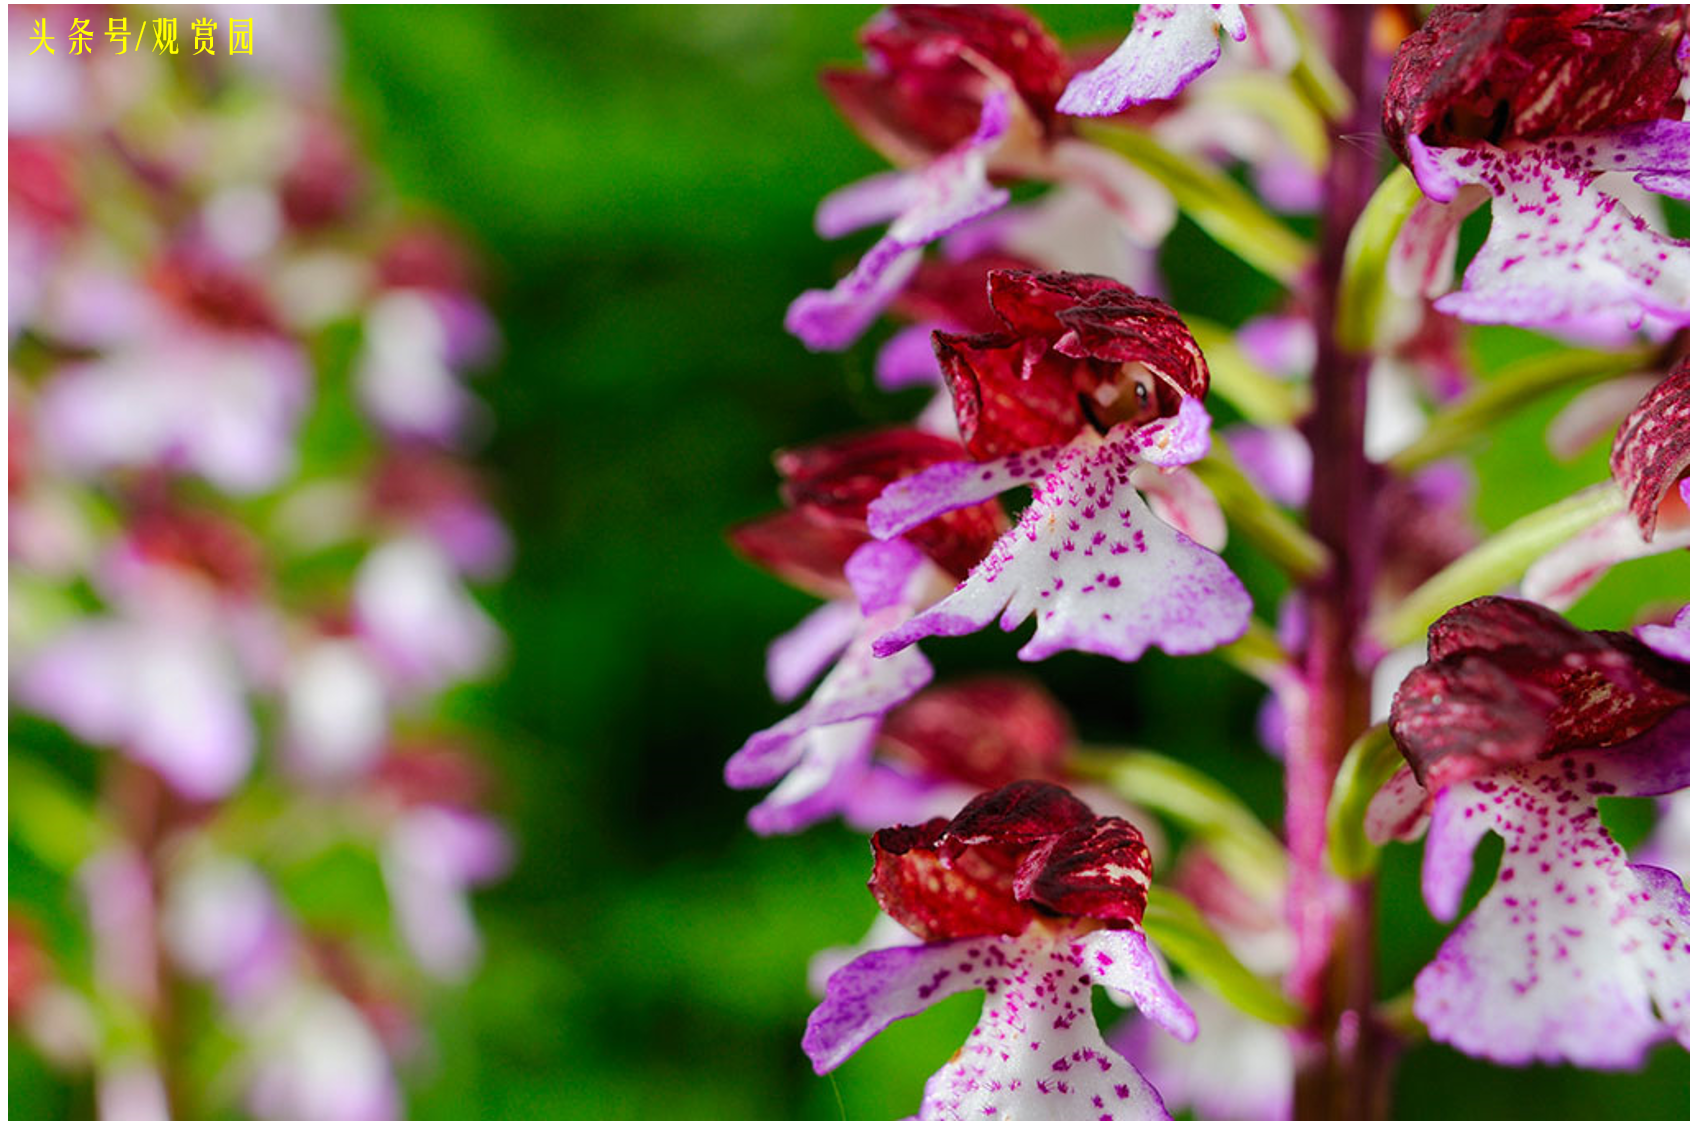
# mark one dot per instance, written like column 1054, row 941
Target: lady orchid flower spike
column 956, row 97
column 1088, row 382
column 1030, row 896
column 822, row 543
column 1517, row 724
column 1529, row 106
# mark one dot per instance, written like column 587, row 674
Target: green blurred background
column 642, row 182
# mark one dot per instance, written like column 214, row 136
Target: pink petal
column 1562, row 576
column 1277, row 460
column 799, row 656
column 1669, row 642
column 1180, row 499
column 950, row 192
column 907, row 360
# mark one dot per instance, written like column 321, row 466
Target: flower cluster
column 1057, row 367
column 243, row 536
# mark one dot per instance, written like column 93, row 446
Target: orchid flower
column 958, row 98
column 1517, row 724
column 1529, row 107
column 1089, row 383
column 1030, row 896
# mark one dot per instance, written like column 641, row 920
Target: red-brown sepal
column 1652, row 448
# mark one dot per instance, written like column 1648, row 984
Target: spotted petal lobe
column 1560, row 253
column 1121, row 960
column 1036, row 1054
column 918, row 498
column 1100, row 571
column 1168, row 47
column 886, row 985
column 1569, row 953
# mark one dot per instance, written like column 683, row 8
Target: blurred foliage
column 642, row 180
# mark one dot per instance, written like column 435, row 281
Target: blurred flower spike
column 243, row 544
column 1030, row 896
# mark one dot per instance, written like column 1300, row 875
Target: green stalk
column 1252, row 514
column 1516, row 385
column 1258, row 396
column 1226, row 211
column 1362, row 287
column 1369, row 764
column 1496, row 562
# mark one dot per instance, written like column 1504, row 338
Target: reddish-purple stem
column 1340, row 1057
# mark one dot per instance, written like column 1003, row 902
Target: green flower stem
column 1368, row 765
column 1259, row 397
column 1226, row 211
column 1514, row 386
column 1252, row 514
column 1258, row 653
column 1362, row 287
column 1180, row 931
column 1313, row 75
column 1398, row 1015
column 50, row 818
column 1496, row 562
column 1206, row 809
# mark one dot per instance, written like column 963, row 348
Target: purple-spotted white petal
column 1037, row 1052
column 1168, row 47
column 943, row 487
column 1574, row 955
column 950, row 192
column 1100, row 572
column 1560, row 253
